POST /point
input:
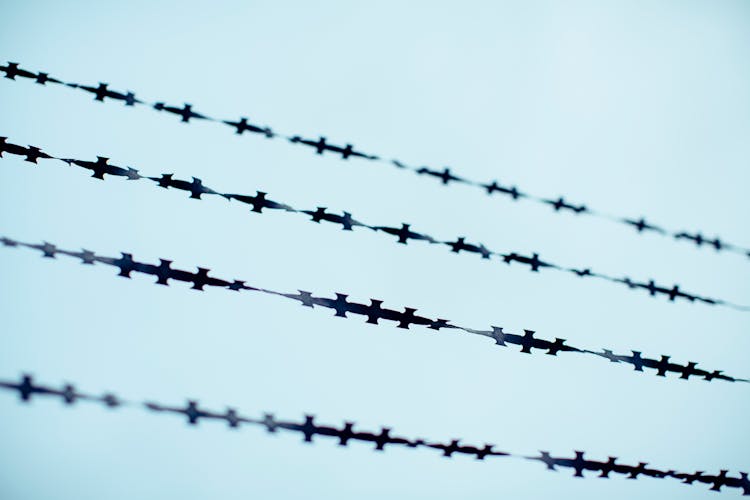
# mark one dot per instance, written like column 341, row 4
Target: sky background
column 634, row 108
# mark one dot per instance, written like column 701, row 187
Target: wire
column 403, row 234
column 309, row 429
column 374, row 312
column 559, row 204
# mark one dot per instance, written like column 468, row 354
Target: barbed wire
column 308, row 429
column 446, row 176
column 404, row 234
column 374, row 312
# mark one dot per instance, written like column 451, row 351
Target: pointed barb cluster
column 194, row 413
column 533, row 262
column 404, row 234
column 12, row 70
column 259, row 202
column 27, row 388
column 700, row 240
column 127, row 265
column 663, row 366
column 494, row 187
column 244, row 126
column 30, row 153
column 346, row 220
column 641, row 225
column 561, row 204
column 185, row 113
column 101, row 166
column 194, row 187
column 579, row 464
column 374, row 312
column 445, row 176
column 460, row 245
column 103, row 91
column 527, row 342
column 321, row 146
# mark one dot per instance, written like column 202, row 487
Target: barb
column 101, row 168
column 373, row 313
column 320, row 146
column 308, row 429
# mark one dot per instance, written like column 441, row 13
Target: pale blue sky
column 635, row 108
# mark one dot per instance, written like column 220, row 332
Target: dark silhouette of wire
column 446, row 176
column 308, row 429
column 374, row 312
column 403, row 234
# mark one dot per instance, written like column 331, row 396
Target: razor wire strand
column 403, row 234
column 308, row 429
column 374, row 312
column 446, row 176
